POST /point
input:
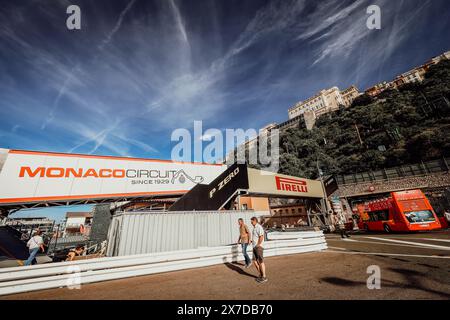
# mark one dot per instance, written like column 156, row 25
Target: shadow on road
column 239, row 270
column 412, row 281
column 341, row 282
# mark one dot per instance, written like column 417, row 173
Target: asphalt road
column 412, row 267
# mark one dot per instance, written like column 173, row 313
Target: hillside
column 399, row 127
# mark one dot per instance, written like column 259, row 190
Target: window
column 382, row 215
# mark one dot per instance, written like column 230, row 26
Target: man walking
column 244, row 240
column 258, row 250
column 34, row 244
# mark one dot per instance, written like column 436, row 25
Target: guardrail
column 63, row 274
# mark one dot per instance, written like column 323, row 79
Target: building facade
column 325, row 101
column 349, row 95
column 415, row 75
column 252, row 203
column 78, row 223
column 289, row 215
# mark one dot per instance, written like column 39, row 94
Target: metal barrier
column 64, row 274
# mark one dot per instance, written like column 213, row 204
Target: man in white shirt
column 34, row 244
column 258, row 250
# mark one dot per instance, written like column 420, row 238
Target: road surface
column 413, row 266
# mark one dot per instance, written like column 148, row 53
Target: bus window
column 383, row 215
column 379, row 216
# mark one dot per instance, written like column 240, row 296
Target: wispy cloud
column 179, row 21
column 139, row 69
column 117, row 26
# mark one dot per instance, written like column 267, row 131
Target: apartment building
column 445, row 55
column 415, row 75
column 325, row 101
column 380, row 87
column 349, row 94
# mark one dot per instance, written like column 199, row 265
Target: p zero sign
column 28, row 176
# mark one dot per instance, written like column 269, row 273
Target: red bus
column 407, row 211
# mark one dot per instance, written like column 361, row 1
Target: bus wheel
column 387, row 228
column 366, row 227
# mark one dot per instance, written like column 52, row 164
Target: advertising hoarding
column 217, row 194
column 29, row 176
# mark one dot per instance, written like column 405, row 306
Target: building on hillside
column 325, row 101
column 415, row 75
column 378, row 88
column 444, row 56
column 349, row 95
column 412, row 76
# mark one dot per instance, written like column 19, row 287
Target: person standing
column 258, row 250
column 341, row 226
column 244, row 240
column 34, row 244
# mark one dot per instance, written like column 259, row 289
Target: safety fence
column 70, row 274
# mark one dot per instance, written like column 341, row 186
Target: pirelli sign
column 267, row 183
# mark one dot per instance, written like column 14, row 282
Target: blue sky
column 139, row 69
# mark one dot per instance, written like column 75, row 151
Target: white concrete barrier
column 291, row 235
column 63, row 274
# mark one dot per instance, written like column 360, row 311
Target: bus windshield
column 420, row 216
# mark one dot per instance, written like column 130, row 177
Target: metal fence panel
column 149, row 232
